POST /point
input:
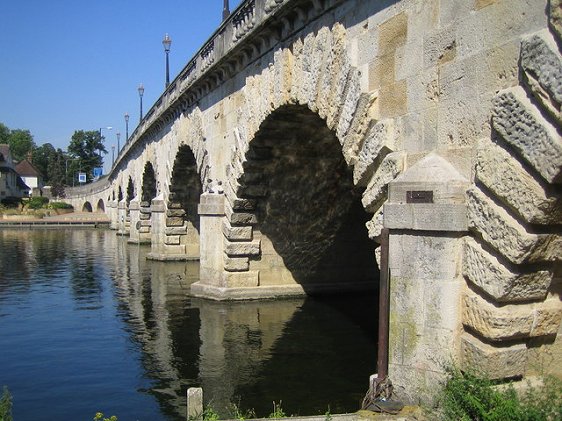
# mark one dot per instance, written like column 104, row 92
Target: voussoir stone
column 542, row 64
column 523, row 127
column 506, row 235
column 511, row 183
column 377, row 145
column 376, row 192
column 487, row 273
column 497, row 363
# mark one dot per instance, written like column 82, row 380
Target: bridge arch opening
column 185, row 192
column 130, row 191
column 149, row 190
column 100, row 206
column 120, row 194
column 309, row 215
column 87, row 207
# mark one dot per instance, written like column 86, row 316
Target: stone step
column 508, row 180
column 541, row 65
column 487, row 273
column 512, row 321
column 506, row 235
column 522, row 126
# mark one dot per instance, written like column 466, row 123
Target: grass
column 468, row 396
column 6, row 405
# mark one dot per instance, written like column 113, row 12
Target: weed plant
column 6, row 405
column 468, row 396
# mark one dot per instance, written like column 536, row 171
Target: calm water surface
column 87, row 324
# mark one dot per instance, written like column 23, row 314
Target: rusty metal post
column 384, row 307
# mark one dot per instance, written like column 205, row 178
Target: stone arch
column 185, row 185
column 305, row 210
column 100, row 206
column 87, row 207
column 149, row 190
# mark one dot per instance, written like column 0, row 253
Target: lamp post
column 225, row 11
column 112, row 155
column 141, row 93
column 126, row 126
column 118, row 144
column 101, row 137
column 167, row 42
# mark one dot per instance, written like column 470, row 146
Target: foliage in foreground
column 100, row 417
column 210, row 414
column 467, row 396
column 6, row 406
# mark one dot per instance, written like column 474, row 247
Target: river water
column 88, row 324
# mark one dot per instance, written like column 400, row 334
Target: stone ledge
column 426, row 217
column 163, row 257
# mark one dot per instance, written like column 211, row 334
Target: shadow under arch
column 87, row 207
column 186, row 187
column 149, row 191
column 309, row 214
column 100, row 206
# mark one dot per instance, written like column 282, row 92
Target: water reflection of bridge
column 240, row 352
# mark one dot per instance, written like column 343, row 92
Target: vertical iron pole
column 384, row 307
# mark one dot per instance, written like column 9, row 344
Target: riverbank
column 80, row 219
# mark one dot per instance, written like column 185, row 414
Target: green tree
column 4, row 133
column 86, row 148
column 21, row 143
column 57, row 172
column 42, row 155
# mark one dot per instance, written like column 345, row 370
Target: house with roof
column 31, row 176
column 11, row 184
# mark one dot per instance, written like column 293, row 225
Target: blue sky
column 69, row 65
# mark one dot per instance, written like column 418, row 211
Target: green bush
column 6, row 406
column 37, row 202
column 467, row 396
column 60, row 205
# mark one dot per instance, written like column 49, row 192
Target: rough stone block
column 241, row 279
column 542, row 67
column 379, row 142
column 243, row 248
column 511, row 321
column 505, row 234
column 512, row 184
column 175, row 213
column 236, row 264
column 175, row 221
column 243, row 233
column 176, row 230
column 172, row 240
column 496, row 280
column 494, row 362
column 522, row 126
column 376, row 191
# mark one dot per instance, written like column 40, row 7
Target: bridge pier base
column 122, row 218
column 112, row 213
column 426, row 217
column 134, row 221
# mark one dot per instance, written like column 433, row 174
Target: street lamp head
column 167, row 42
column 126, row 117
column 141, row 90
column 118, row 135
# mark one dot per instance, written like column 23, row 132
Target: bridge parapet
column 244, row 36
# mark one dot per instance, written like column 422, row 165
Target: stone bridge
column 304, row 131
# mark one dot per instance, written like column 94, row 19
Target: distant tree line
column 59, row 168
